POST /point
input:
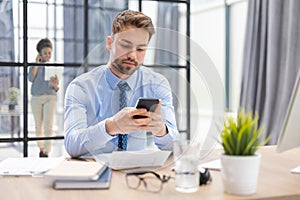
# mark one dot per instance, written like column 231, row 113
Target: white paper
column 51, row 71
column 213, row 165
column 28, row 166
column 134, row 159
column 296, row 170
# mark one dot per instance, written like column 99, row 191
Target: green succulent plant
column 242, row 137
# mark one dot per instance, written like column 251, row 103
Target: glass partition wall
column 76, row 29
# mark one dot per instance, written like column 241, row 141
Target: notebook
column 76, row 170
column 103, row 182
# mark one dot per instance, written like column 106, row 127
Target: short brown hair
column 132, row 18
column 43, row 43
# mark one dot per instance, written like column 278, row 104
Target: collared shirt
column 93, row 97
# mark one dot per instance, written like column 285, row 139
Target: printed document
column 133, row 159
column 28, row 166
column 52, row 71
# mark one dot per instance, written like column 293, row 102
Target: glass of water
column 186, row 162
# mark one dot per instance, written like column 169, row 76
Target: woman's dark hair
column 43, row 43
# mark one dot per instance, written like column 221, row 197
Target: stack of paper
column 28, row 166
column 134, row 159
column 80, row 175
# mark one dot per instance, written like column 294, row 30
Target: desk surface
column 275, row 182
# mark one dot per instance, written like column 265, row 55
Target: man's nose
column 132, row 54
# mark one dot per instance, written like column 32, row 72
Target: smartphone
column 40, row 57
column 148, row 103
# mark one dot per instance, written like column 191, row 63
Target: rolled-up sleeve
column 30, row 76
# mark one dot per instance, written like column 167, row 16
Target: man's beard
column 117, row 64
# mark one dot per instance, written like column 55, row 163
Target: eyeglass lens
column 149, row 180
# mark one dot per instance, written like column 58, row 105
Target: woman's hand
column 38, row 58
column 54, row 81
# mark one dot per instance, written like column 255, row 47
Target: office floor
column 16, row 149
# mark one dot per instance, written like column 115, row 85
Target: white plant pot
column 240, row 173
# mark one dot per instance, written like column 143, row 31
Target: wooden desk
column 275, row 182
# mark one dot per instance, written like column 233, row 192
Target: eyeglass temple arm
column 164, row 178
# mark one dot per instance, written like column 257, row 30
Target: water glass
column 186, row 162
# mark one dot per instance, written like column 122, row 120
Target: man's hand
column 123, row 122
column 157, row 125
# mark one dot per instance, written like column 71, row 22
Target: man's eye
column 126, row 46
column 141, row 49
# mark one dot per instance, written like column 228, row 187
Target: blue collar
column 113, row 80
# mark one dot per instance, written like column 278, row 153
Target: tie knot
column 123, row 86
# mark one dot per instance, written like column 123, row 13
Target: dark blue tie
column 122, row 138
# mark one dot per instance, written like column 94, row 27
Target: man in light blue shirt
column 93, row 119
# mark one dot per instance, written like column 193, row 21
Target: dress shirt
column 39, row 85
column 93, row 97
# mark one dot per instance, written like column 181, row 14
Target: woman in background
column 43, row 101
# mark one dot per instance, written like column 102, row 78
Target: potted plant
column 241, row 138
column 13, row 97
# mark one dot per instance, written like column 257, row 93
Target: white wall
column 237, row 31
column 208, row 31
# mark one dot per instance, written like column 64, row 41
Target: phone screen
column 147, row 103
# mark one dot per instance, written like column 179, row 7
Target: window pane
column 11, row 108
column 57, row 149
column 37, row 16
column 13, row 150
column 6, row 33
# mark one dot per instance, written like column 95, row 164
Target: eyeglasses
column 152, row 181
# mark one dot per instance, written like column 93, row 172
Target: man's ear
column 109, row 42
